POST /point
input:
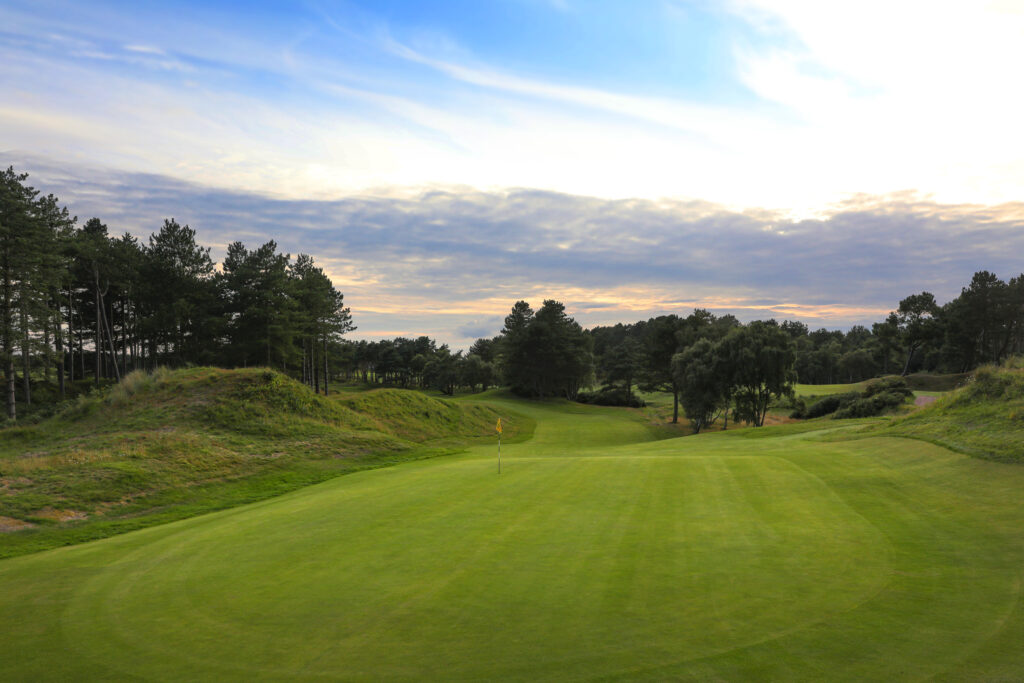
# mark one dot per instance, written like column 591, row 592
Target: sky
column 765, row 158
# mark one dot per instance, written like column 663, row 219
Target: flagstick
column 499, row 452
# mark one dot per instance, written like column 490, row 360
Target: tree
column 17, row 230
column 254, row 286
column 661, row 344
column 442, row 371
column 702, row 385
column 757, row 361
column 857, row 365
column 516, row 362
column 885, row 340
column 320, row 318
column 623, row 362
column 546, row 353
column 916, row 322
column 179, row 290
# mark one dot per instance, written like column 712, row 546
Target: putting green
column 596, row 553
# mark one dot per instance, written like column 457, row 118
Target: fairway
column 598, row 553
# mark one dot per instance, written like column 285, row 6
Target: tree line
column 713, row 366
column 419, row 363
column 80, row 304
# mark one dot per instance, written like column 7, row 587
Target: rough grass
column 930, row 383
column 985, row 418
column 167, row 445
column 600, row 553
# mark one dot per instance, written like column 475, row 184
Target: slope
column 984, row 418
column 169, row 445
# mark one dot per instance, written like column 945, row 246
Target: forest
column 82, row 307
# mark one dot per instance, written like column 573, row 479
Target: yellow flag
column 497, row 427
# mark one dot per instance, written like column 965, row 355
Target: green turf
column 176, row 444
column 601, row 552
column 827, row 389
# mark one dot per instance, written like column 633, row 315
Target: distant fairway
column 598, row 553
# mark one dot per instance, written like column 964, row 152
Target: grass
column 805, row 390
column 169, row 445
column 985, row 418
column 930, row 385
column 603, row 551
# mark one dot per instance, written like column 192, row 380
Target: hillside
column 170, row 445
column 984, row 418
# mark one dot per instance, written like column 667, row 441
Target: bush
column 894, row 384
column 878, row 397
column 832, row 403
column 611, row 396
column 799, row 406
column 870, row 406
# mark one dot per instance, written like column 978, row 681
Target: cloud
column 296, row 111
column 451, row 261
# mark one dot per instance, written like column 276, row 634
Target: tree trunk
column 81, row 345
column 8, row 342
column 325, row 365
column 906, row 366
column 675, row 404
column 99, row 329
column 26, row 358
column 124, row 338
column 58, row 341
column 314, row 362
column 71, row 338
column 110, row 344
column 46, row 351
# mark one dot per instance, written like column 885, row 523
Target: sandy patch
column 8, row 524
column 60, row 515
column 924, row 400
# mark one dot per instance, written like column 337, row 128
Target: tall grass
column 984, row 418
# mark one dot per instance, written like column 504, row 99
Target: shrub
column 832, row 403
column 873, row 404
column 611, row 396
column 799, row 406
column 889, row 384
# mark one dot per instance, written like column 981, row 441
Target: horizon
column 443, row 161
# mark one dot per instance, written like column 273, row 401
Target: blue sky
column 714, row 121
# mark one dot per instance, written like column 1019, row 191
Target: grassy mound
column 414, row 416
column 985, row 418
column 168, row 445
column 927, row 382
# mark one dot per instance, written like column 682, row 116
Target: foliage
column 876, row 398
column 758, row 360
column 75, row 303
column 611, row 396
column 545, row 354
column 704, row 382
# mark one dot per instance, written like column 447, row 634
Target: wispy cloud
column 327, row 108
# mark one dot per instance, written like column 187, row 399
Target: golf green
column 597, row 553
